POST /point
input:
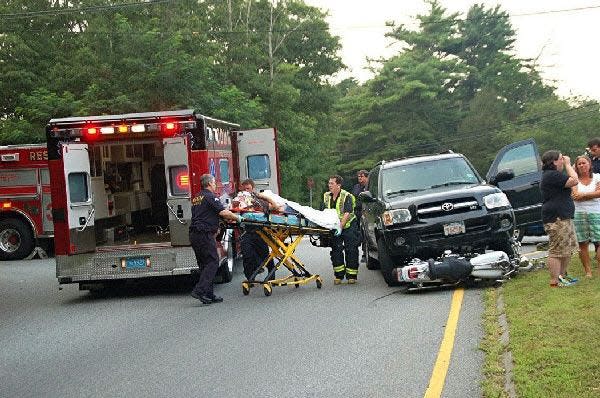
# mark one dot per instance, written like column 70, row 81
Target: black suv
column 421, row 206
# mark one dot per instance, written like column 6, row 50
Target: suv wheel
column 387, row 263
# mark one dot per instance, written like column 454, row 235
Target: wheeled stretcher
column 282, row 233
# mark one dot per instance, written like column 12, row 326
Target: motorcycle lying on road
column 453, row 269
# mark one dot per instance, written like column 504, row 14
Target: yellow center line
column 438, row 376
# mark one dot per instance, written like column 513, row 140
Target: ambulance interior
column 129, row 189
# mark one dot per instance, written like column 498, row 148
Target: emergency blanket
column 327, row 218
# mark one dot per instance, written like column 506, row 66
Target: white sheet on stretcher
column 327, row 218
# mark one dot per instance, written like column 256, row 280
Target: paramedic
column 254, row 249
column 206, row 210
column 347, row 242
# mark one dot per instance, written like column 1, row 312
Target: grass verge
column 554, row 336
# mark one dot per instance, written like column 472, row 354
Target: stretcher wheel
column 245, row 289
column 267, row 289
column 296, row 284
column 319, row 283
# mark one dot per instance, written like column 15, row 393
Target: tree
column 454, row 85
column 257, row 63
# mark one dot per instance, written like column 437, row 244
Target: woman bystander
column 586, row 195
column 557, row 214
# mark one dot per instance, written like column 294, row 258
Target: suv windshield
column 426, row 175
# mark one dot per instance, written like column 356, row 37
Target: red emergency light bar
column 96, row 132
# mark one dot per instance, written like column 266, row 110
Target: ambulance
column 121, row 190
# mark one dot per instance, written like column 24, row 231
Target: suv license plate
column 454, row 228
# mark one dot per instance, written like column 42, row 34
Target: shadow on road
column 167, row 286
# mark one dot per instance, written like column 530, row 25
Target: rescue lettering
column 38, row 155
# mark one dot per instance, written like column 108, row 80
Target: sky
column 564, row 43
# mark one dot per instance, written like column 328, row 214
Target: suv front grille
column 447, row 207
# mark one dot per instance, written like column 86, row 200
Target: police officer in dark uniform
column 206, row 210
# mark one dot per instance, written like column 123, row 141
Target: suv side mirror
column 503, row 175
column 365, row 196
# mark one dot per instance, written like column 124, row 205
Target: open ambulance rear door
column 258, row 158
column 177, row 173
column 79, row 201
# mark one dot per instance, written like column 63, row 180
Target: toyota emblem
column 447, row 206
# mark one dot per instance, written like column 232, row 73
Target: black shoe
column 202, row 297
column 216, row 299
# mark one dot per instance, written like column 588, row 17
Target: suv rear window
column 426, row 175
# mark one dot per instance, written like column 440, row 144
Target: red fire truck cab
column 25, row 208
column 121, row 188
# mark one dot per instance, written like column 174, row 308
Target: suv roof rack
column 446, row 152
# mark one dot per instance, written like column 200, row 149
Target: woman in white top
column 586, row 195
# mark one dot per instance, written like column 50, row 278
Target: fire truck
column 121, row 189
column 25, row 205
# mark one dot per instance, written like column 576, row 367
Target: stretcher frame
column 282, row 239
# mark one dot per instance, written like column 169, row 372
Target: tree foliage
column 456, row 84
column 256, row 63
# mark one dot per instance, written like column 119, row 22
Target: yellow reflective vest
column 339, row 207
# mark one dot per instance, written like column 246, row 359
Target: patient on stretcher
column 290, row 211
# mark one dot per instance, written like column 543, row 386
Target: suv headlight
column 496, row 200
column 397, row 216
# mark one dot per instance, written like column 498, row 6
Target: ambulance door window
column 78, row 188
column 224, row 170
column 179, row 180
column 259, row 167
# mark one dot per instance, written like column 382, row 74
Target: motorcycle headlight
column 496, row 200
column 397, row 216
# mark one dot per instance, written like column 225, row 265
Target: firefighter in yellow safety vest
column 347, row 242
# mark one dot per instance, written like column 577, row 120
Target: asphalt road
column 153, row 339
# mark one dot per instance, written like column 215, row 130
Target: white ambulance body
column 121, row 188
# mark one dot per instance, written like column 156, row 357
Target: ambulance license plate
column 454, row 228
column 136, row 262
